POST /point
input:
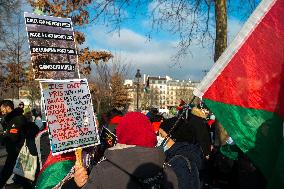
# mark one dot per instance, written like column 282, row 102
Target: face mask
column 159, row 143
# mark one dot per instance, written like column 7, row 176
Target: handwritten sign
column 52, row 47
column 69, row 115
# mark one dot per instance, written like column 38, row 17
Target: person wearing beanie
column 156, row 121
column 183, row 157
column 135, row 129
column 132, row 163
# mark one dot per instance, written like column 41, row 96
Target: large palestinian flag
column 245, row 90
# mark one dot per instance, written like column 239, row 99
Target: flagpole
column 185, row 109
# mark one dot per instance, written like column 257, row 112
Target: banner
column 69, row 115
column 52, row 47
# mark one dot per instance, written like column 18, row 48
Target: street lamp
column 137, row 76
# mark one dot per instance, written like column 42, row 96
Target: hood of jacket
column 135, row 160
column 14, row 113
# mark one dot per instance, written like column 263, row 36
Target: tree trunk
column 98, row 105
column 220, row 42
column 221, row 28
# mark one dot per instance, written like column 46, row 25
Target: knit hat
column 115, row 120
column 156, row 126
column 181, row 133
column 168, row 124
column 113, row 123
column 134, row 128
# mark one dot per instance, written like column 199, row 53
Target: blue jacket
column 185, row 160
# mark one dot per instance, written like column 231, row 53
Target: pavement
column 3, row 155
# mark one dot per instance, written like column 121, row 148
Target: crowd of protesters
column 20, row 126
column 136, row 151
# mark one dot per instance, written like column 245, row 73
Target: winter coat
column 185, row 159
column 202, row 136
column 43, row 146
column 194, row 131
column 125, row 165
column 14, row 126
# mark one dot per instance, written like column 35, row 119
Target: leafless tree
column 7, row 8
column 14, row 56
column 102, row 82
column 194, row 21
column 150, row 99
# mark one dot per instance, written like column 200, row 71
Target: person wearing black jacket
column 184, row 157
column 14, row 136
column 190, row 140
column 192, row 129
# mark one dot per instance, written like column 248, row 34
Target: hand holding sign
column 80, row 176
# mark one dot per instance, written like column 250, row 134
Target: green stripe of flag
column 53, row 174
column 257, row 133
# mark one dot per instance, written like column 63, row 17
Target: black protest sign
column 52, row 47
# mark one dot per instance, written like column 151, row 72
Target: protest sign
column 108, row 139
column 69, row 115
column 52, row 47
